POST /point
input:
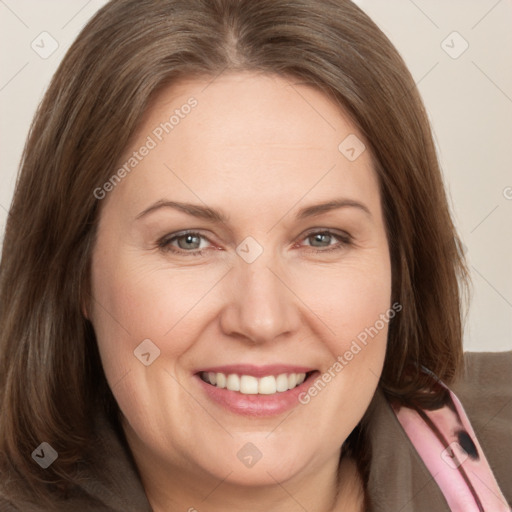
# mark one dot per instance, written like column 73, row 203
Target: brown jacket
column 399, row 481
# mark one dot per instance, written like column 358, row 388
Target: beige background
column 468, row 96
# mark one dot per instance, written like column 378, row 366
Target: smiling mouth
column 251, row 385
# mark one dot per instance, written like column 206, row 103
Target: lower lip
column 256, row 405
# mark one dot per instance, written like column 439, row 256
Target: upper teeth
column 250, row 385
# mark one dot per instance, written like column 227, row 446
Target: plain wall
column 468, row 95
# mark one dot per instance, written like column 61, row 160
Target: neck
column 350, row 497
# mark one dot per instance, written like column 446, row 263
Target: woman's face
column 252, row 298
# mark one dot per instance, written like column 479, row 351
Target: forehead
column 271, row 110
column 240, row 133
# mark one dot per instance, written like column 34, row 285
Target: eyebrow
column 206, row 213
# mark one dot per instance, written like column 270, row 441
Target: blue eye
column 189, row 243
column 327, row 236
column 187, row 240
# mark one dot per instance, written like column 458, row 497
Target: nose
column 260, row 305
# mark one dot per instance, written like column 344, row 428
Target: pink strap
column 446, row 442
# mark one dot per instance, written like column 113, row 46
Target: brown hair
column 51, row 378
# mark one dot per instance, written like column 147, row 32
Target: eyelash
column 164, row 243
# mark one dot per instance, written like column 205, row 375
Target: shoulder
column 485, row 391
column 490, row 367
column 104, row 480
column 6, row 506
column 485, row 388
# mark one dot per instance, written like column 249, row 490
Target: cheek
column 355, row 308
column 357, row 312
column 359, row 319
column 136, row 300
column 349, row 300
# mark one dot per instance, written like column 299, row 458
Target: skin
column 258, row 148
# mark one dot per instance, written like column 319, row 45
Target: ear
column 84, row 306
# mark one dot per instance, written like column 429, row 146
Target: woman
column 230, row 280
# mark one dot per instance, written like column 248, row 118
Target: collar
column 398, row 478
